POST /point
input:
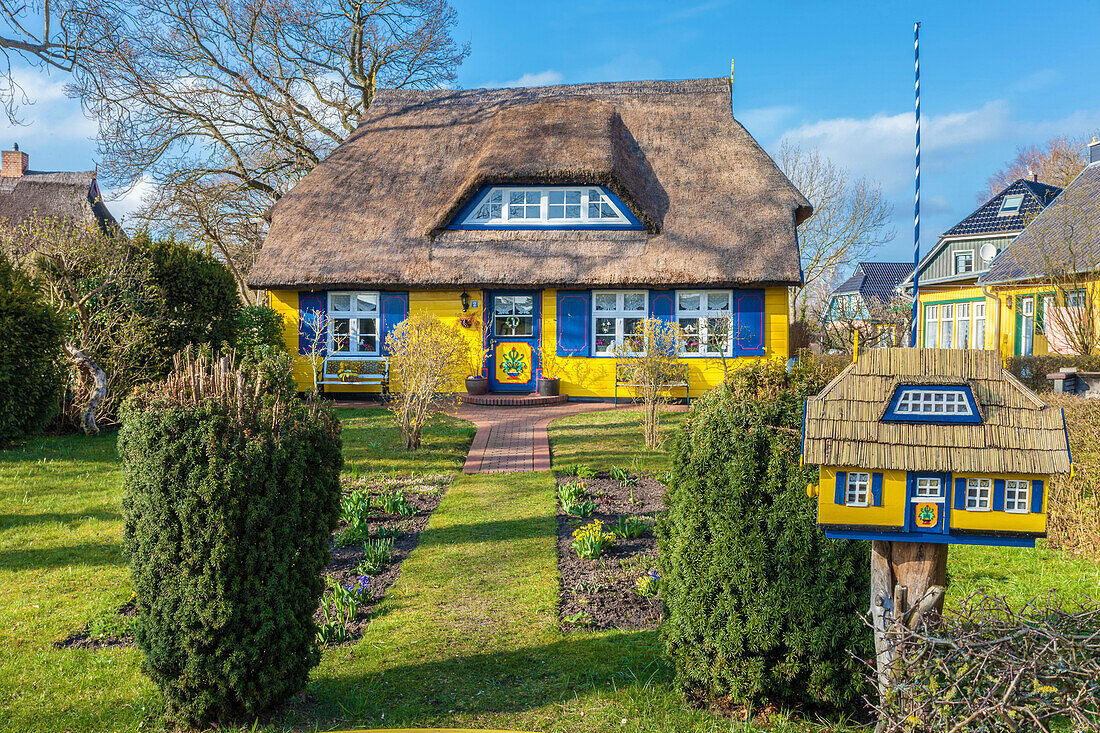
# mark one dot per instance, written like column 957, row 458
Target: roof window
column 1010, row 205
column 935, row 404
column 546, row 207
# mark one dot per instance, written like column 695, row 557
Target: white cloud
column 764, row 123
column 45, row 111
column 122, row 203
column 537, row 79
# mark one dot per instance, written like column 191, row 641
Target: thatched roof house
column 69, row 195
column 1014, row 432
column 712, row 208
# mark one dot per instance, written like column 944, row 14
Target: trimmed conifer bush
column 31, row 365
column 231, row 493
column 761, row 607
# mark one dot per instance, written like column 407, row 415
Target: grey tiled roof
column 985, row 220
column 875, row 279
column 1066, row 236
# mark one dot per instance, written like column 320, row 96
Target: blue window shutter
column 574, row 319
column 662, row 305
column 312, row 306
column 395, row 308
column 998, row 494
column 960, row 493
column 876, row 489
column 841, row 485
column 748, row 323
column 1036, row 497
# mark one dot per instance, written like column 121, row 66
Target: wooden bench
column 623, row 377
column 355, row 371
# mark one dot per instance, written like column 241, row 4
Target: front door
column 927, row 503
column 1025, row 326
column 513, row 340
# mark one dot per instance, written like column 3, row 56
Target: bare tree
column 850, row 218
column 878, row 323
column 652, row 366
column 1057, row 162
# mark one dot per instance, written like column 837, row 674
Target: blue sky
column 836, row 76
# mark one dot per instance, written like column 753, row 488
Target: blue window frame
column 933, row 403
column 546, row 207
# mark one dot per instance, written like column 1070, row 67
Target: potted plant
column 477, row 384
column 549, row 386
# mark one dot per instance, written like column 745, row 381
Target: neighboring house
column 861, row 298
column 1053, row 265
column 954, row 313
column 543, row 221
column 933, row 445
column 26, row 193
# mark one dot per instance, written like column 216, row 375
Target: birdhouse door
column 927, row 503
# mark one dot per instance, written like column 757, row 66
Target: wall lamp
column 465, row 301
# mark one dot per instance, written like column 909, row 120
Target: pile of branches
column 986, row 667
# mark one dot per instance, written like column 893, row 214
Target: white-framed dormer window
column 979, row 492
column 565, row 206
column 615, row 317
column 964, row 261
column 858, row 489
column 1017, row 496
column 706, row 319
column 353, row 320
column 1010, row 205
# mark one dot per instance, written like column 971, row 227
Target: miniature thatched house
column 545, row 221
column 933, row 445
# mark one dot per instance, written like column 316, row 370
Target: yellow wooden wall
column 581, row 377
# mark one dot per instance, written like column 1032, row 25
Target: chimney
column 1033, row 175
column 14, row 162
column 1094, row 151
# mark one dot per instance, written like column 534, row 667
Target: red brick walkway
column 514, row 439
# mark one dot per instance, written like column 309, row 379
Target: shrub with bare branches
column 652, row 363
column 428, row 360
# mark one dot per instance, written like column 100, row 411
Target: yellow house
column 933, row 445
column 546, row 223
column 955, row 312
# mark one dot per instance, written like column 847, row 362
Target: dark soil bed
column 600, row 594
column 423, row 492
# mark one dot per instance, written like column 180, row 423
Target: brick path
column 514, row 439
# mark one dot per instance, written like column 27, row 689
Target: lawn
column 467, row 636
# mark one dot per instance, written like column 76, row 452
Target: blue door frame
column 493, row 338
column 912, row 502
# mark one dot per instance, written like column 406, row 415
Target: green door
column 1025, row 326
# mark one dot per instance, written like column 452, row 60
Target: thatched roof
column 716, row 209
column 1019, row 433
column 73, row 196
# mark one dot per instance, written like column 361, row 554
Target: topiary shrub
column 31, row 366
column 231, row 496
column 761, row 607
column 259, row 328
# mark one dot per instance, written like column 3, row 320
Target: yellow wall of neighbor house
column 581, row 377
column 945, row 294
column 890, row 514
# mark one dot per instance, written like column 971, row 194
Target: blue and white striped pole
column 916, row 199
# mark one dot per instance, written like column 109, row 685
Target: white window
column 1075, row 298
column 978, row 493
column 924, row 401
column 929, row 488
column 1017, row 496
column 706, row 318
column 931, row 325
column 979, row 325
column 962, row 326
column 616, row 315
column 857, row 489
column 1010, row 206
column 353, row 323
column 947, row 324
column 546, row 205
column 964, row 261
column 513, row 315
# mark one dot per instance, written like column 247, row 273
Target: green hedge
column 31, row 364
column 761, row 607
column 1033, row 370
column 259, row 329
column 228, row 516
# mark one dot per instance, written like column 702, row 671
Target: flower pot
column 549, row 386
column 477, row 385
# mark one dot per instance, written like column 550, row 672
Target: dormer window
column 546, row 207
column 932, row 404
column 1010, row 206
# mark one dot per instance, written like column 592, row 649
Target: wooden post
column 919, row 566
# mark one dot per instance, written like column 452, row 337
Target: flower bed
column 617, row 590
column 422, row 495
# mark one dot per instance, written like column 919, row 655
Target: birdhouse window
column 858, row 489
column 941, row 403
column 1017, row 499
column 979, row 492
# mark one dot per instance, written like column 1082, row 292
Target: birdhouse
column 933, row 445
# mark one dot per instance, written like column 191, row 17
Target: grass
column 610, row 438
column 467, row 636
